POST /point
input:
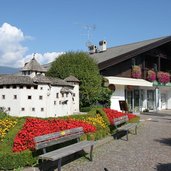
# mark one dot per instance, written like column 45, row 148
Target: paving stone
column 149, row 150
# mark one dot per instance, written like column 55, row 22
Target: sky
column 50, row 28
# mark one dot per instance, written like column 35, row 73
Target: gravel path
column 148, row 151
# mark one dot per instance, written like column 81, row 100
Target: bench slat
column 57, row 141
column 127, row 126
column 57, row 134
column 65, row 151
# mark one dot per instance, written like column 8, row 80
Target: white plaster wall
column 118, row 94
column 9, row 101
column 47, row 103
column 76, row 101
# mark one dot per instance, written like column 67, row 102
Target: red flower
column 34, row 127
column 111, row 114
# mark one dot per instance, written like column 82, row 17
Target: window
column 28, row 87
column 35, row 87
column 41, row 88
column 67, row 95
column 42, row 109
column 29, row 97
column 14, row 86
column 40, row 97
column 62, row 94
column 1, row 87
column 7, row 87
column 22, row 109
column 9, row 108
column 21, row 87
column 33, row 109
column 57, row 95
column 54, row 102
column 3, row 96
column 15, row 96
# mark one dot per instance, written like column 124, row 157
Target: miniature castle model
column 34, row 94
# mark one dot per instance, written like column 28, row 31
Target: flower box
column 163, row 77
column 136, row 72
column 151, row 75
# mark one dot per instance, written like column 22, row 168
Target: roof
column 12, row 80
column 71, row 79
column 129, row 81
column 103, row 59
column 33, row 65
column 26, row 80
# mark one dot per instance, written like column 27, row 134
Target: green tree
column 83, row 67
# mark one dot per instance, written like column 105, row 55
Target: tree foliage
column 83, row 67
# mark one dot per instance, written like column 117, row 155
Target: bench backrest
column 120, row 120
column 57, row 137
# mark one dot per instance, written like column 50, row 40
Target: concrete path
column 148, row 151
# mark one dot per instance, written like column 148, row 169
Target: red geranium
column 35, row 127
column 111, row 114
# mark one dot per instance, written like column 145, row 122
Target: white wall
column 52, row 105
column 118, row 94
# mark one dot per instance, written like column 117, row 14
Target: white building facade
column 34, row 94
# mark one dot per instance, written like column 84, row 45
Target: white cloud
column 13, row 53
column 11, row 49
column 41, row 58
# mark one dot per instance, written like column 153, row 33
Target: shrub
column 15, row 160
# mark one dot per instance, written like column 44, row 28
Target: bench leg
column 91, row 153
column 127, row 134
column 59, row 164
column 136, row 130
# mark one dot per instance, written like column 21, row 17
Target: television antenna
column 89, row 29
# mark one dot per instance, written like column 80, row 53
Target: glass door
column 150, row 99
column 136, row 100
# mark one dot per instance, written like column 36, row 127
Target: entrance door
column 136, row 100
column 150, row 99
column 163, row 101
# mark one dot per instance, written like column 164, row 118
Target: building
column 34, row 94
column 117, row 64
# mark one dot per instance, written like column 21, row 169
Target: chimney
column 92, row 49
column 102, row 46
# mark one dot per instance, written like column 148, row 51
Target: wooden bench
column 44, row 141
column 122, row 124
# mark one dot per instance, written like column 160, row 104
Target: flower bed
column 111, row 114
column 5, row 126
column 34, row 127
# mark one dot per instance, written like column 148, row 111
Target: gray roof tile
column 71, row 79
column 33, row 65
column 26, row 80
column 123, row 49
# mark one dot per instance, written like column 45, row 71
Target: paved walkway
column 148, row 151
